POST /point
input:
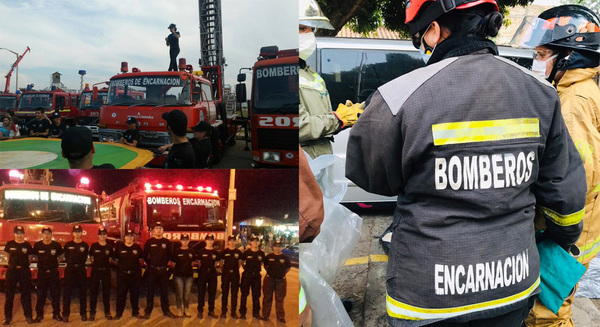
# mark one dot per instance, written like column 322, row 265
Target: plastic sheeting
column 589, row 284
column 322, row 259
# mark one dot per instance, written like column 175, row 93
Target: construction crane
column 12, row 69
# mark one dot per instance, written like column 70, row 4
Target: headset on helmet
column 421, row 13
column 568, row 26
column 311, row 15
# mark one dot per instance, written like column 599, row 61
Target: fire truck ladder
column 211, row 32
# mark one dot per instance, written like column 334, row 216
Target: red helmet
column 420, row 13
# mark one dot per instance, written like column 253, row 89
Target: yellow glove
column 349, row 112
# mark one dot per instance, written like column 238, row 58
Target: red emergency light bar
column 149, row 187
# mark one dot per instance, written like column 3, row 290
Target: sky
column 270, row 193
column 96, row 36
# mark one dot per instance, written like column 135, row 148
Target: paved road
column 362, row 280
column 158, row 320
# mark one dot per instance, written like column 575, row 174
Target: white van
column 354, row 68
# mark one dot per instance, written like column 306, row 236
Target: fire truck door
column 137, row 214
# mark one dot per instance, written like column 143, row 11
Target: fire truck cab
column 55, row 100
column 9, row 101
column 30, row 201
column 194, row 210
column 147, row 95
column 273, row 107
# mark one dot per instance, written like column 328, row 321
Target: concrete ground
column 362, row 280
column 157, row 319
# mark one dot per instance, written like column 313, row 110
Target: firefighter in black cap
column 157, row 252
column 100, row 254
column 19, row 257
column 252, row 262
column 209, row 260
column 76, row 253
column 231, row 260
column 132, row 135
column 183, row 275
column 277, row 266
column 48, row 252
column 129, row 275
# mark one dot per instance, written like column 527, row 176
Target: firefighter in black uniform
column 76, row 253
column 129, row 275
column 231, row 260
column 277, row 266
column 157, row 252
column 209, row 260
column 47, row 251
column 100, row 254
column 252, row 262
column 18, row 272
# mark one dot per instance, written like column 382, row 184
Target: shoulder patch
column 397, row 91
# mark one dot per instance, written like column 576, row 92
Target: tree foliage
column 594, row 5
column 365, row 16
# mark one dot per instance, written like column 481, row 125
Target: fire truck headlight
column 3, row 258
column 270, row 156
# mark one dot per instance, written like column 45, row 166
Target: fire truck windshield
column 8, row 102
column 149, row 90
column 87, row 102
column 36, row 100
column 276, row 90
column 46, row 206
column 184, row 213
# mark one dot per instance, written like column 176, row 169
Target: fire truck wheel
column 2, row 286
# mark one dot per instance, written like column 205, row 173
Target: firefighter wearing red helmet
column 567, row 41
column 472, row 145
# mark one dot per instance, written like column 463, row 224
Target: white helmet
column 311, row 15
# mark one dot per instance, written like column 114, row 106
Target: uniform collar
column 573, row 76
column 462, row 46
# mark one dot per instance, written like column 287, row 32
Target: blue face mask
column 426, row 54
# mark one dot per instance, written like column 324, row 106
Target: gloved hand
column 349, row 112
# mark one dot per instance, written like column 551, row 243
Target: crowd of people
column 161, row 258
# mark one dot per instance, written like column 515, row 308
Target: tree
column 365, row 16
column 594, row 5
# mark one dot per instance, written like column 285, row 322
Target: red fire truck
column 274, row 107
column 55, row 100
column 90, row 102
column 9, row 102
column 31, row 201
column 147, row 95
column 195, row 210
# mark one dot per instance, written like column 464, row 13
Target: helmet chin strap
column 558, row 65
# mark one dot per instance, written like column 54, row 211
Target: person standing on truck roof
column 47, row 252
column 57, row 128
column 76, row 254
column 200, row 143
column 181, row 155
column 209, row 260
column 474, row 146
column 40, row 126
column 100, row 254
column 231, row 261
column 318, row 121
column 173, row 42
column 277, row 266
column 568, row 55
column 183, row 275
column 157, row 252
column 78, row 148
column 129, row 274
column 252, row 262
column 19, row 257
column 131, row 136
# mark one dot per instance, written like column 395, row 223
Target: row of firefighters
column 161, row 259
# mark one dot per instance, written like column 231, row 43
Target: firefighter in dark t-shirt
column 57, row 128
column 157, row 254
column 48, row 252
column 40, row 126
column 19, row 256
column 231, row 260
column 277, row 266
column 100, row 254
column 181, row 154
column 76, row 253
column 131, row 136
column 129, row 274
column 207, row 276
column 251, row 278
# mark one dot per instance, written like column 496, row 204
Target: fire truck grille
column 278, row 139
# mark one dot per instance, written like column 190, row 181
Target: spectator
column 57, row 128
column 78, row 147
column 40, row 126
column 131, row 136
column 181, row 155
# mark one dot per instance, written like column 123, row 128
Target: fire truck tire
column 217, row 145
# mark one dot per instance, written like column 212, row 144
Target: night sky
column 269, row 193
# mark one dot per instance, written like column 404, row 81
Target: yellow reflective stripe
column 589, row 250
column 401, row 310
column 597, row 188
column 302, row 299
column 316, row 84
column 563, row 220
column 485, row 131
